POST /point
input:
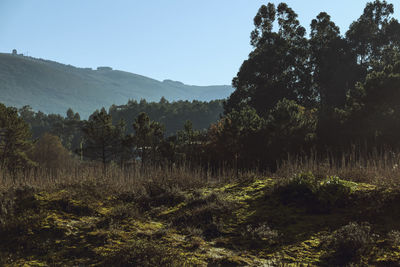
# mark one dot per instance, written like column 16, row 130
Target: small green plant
column 332, row 193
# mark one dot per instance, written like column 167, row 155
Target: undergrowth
column 191, row 218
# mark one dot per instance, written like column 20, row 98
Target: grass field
column 179, row 217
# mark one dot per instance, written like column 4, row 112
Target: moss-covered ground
column 253, row 222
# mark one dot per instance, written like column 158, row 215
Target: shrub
column 158, row 193
column 332, row 193
column 307, row 191
column 261, row 233
column 349, row 243
column 299, row 189
column 49, row 153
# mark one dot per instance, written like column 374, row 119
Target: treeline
column 326, row 95
column 329, row 93
column 96, row 139
column 124, row 135
column 172, row 115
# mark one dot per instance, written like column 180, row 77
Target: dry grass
column 122, row 179
column 127, row 215
column 378, row 168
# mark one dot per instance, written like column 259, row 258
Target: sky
column 195, row 42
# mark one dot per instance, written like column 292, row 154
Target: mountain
column 54, row 87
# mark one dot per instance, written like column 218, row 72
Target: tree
column 15, row 140
column 102, row 140
column 334, row 64
column 236, row 139
column 374, row 110
column 373, row 33
column 49, row 153
column 189, row 142
column 69, row 130
column 335, row 72
column 147, row 137
column 278, row 66
column 290, row 130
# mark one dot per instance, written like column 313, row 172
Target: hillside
column 53, row 87
column 184, row 222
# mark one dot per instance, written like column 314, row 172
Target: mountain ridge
column 53, row 87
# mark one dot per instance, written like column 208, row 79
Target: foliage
column 147, row 138
column 276, row 68
column 350, row 243
column 262, row 233
column 325, row 93
column 49, row 153
column 235, row 138
column 320, row 196
column 14, row 140
column 170, row 219
column 68, row 128
column 374, row 107
column 171, row 114
column 290, row 128
column 294, row 97
column 374, row 34
column 102, row 139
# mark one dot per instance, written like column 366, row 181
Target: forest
column 298, row 166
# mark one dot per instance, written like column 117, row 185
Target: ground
column 255, row 221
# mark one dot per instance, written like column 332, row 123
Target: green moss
column 173, row 209
column 206, row 226
column 29, row 263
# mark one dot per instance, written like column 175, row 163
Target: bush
column 332, row 193
column 158, row 193
column 306, row 191
column 349, row 243
column 300, row 189
column 261, row 234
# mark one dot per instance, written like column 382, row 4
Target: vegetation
column 173, row 115
column 302, row 168
column 14, row 139
column 173, row 217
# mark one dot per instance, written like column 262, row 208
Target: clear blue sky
column 196, row 42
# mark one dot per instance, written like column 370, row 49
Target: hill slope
column 254, row 222
column 53, row 87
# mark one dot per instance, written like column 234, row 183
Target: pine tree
column 102, row 140
column 15, row 140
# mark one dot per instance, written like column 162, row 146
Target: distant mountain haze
column 53, row 87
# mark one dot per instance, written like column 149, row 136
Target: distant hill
column 54, row 87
